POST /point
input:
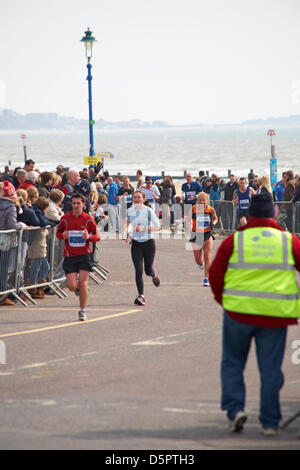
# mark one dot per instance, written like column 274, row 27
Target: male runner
column 78, row 229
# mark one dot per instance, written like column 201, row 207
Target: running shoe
column 81, row 315
column 156, row 281
column 238, row 423
column 201, row 265
column 205, row 282
column 140, row 300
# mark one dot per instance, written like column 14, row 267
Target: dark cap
column 83, row 187
column 262, row 205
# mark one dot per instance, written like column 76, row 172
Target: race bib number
column 244, row 204
column 202, row 221
column 190, row 194
column 76, row 239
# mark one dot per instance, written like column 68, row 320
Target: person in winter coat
column 54, row 212
column 296, row 199
column 39, row 207
column 31, row 180
column 46, row 183
column 167, row 194
column 8, row 242
column 27, row 216
column 37, row 251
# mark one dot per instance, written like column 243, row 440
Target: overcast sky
column 183, row 61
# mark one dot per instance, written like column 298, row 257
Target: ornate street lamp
column 88, row 41
column 273, row 161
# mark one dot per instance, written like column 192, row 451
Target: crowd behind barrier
column 31, row 256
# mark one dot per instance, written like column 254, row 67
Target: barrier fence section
column 287, row 214
column 31, row 260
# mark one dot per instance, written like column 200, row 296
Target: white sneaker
column 140, row 300
column 205, row 282
column 238, row 423
column 81, row 315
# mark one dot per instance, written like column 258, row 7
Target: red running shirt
column 80, row 223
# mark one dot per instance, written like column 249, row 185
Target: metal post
column 91, row 121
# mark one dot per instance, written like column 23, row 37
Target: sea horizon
column 172, row 149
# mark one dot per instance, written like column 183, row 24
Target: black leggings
column 139, row 252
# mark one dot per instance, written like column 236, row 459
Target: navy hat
column 83, row 187
column 262, row 205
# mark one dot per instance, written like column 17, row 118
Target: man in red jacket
column 252, row 277
column 78, row 229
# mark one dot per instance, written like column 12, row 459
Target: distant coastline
column 11, row 120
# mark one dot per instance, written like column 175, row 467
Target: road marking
column 62, row 309
column 65, row 325
column 173, row 338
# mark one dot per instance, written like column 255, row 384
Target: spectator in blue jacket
column 280, row 187
column 113, row 213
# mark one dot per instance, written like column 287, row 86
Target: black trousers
column 143, row 252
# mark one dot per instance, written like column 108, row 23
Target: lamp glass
column 88, row 49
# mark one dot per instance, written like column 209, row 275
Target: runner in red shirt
column 78, row 229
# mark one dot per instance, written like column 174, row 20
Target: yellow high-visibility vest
column 261, row 278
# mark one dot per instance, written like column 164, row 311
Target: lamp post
column 273, row 161
column 23, row 137
column 88, row 41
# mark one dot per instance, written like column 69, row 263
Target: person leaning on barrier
column 27, row 215
column 39, row 207
column 253, row 277
column 54, row 212
column 290, row 186
column 38, row 251
column 8, row 244
column 296, row 197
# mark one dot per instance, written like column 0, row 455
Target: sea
column 173, row 150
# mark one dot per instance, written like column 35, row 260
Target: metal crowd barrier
column 20, row 267
column 287, row 214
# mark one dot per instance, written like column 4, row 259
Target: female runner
column 141, row 223
column 201, row 218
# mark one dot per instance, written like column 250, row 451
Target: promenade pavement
column 130, row 377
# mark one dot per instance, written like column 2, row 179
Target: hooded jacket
column 8, row 219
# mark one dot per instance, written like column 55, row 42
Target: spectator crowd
column 31, row 198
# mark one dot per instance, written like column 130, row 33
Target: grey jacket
column 8, row 215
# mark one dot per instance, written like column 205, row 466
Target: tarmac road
column 130, row 377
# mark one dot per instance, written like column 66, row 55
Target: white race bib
column 76, row 239
column 244, row 204
column 202, row 221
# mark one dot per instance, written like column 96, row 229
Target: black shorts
column 243, row 214
column 200, row 237
column 76, row 263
